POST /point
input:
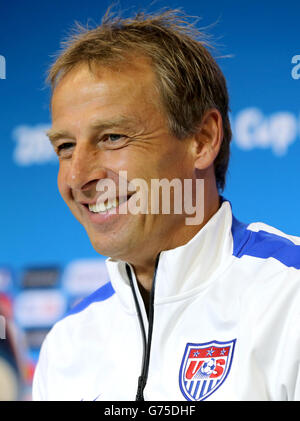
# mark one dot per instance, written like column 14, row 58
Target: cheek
column 175, row 163
column 62, row 185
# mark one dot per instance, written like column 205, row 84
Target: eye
column 64, row 147
column 113, row 137
column 113, row 141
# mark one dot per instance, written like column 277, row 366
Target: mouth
column 108, row 205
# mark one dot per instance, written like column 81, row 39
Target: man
column 194, row 310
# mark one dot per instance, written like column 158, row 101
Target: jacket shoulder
column 263, row 241
column 101, row 294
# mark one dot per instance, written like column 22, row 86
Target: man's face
column 110, row 121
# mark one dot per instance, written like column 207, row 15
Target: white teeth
column 103, row 207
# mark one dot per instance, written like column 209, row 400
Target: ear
column 208, row 139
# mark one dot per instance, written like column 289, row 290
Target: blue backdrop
column 260, row 45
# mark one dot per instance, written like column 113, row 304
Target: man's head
column 139, row 95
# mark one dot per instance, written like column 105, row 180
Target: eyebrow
column 55, row 135
column 120, row 122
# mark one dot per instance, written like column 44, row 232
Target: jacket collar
column 183, row 271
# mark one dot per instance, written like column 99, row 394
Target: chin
column 109, row 248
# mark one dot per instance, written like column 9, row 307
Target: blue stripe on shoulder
column 101, row 294
column 264, row 245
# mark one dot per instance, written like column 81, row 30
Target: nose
column 85, row 168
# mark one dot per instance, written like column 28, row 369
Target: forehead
column 129, row 85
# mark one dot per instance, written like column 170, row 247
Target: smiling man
column 192, row 309
column 110, row 120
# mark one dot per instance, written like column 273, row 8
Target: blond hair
column 189, row 79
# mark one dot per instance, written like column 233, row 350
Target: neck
column 144, row 268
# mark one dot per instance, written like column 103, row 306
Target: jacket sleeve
column 297, row 386
column 291, row 359
column 39, row 385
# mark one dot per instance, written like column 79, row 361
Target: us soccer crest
column 204, row 368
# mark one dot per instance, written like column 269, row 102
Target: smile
column 107, row 205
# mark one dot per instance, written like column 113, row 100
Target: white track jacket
column 224, row 324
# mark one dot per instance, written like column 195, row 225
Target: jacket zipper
column 142, row 381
